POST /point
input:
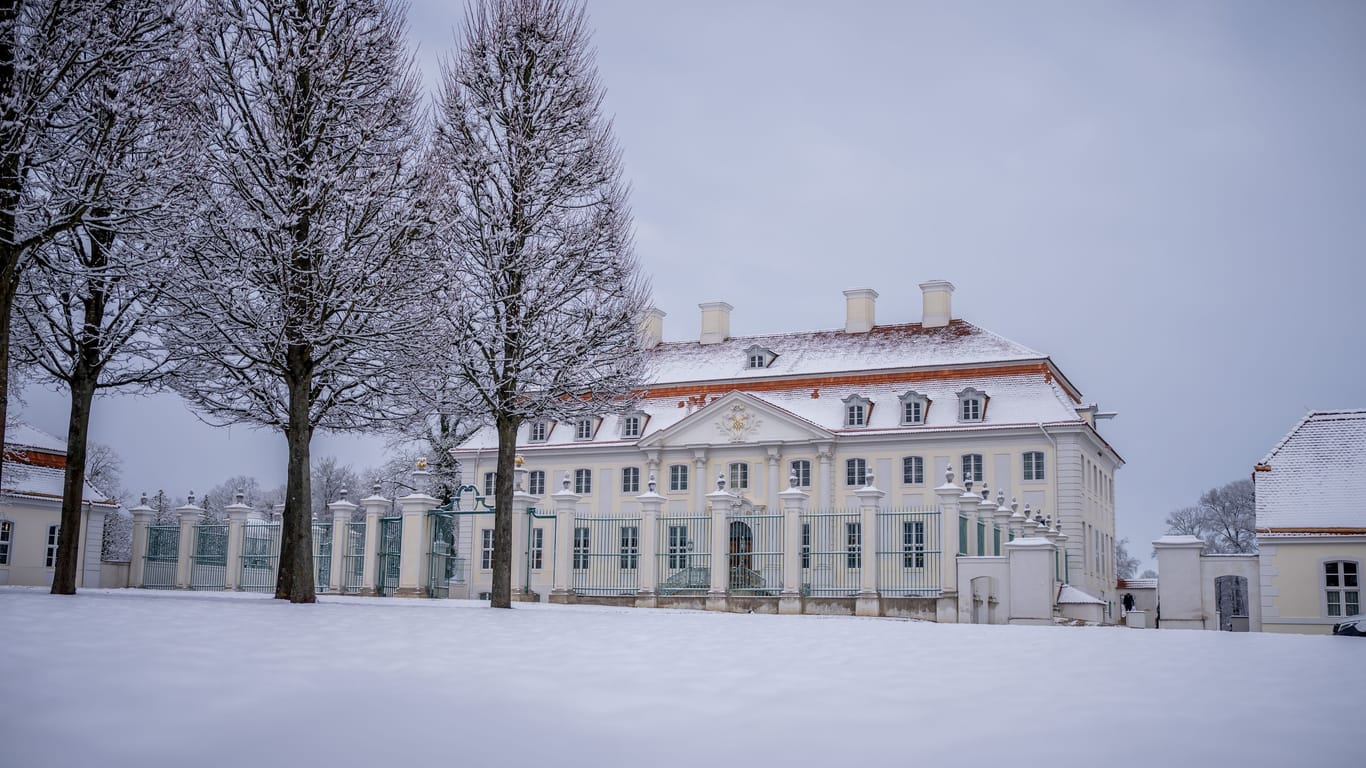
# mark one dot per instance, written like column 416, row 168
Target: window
column 51, row 558
column 853, row 545
column 972, row 467
column 537, row 554
column 488, row 483
column 536, row 482
column 801, row 468
column 857, row 410
column 913, row 544
column 972, row 404
column 739, row 475
column 583, row 481
column 630, row 480
column 630, row 547
column 1341, row 581
column 583, row 428
column 856, row 472
column 6, row 536
column 914, row 408
column 678, row 546
column 913, row 470
column 758, row 357
column 1033, row 465
column 486, row 549
column 630, row 426
column 806, row 545
column 580, row 548
column 678, row 477
column 538, row 432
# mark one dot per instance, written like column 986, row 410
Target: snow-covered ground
column 133, row 678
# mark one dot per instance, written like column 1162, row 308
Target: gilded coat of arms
column 738, row 423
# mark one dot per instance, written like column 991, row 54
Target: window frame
column 677, row 549
column 486, row 549
column 806, row 546
column 738, row 472
column 858, row 411
column 535, row 482
column 678, row 478
column 856, row 478
column 980, row 470
column 763, row 356
column 853, row 545
column 628, row 539
column 536, row 549
column 630, row 479
column 583, row 429
column 1342, row 589
column 910, row 476
column 913, row 544
column 1032, row 466
column 490, row 480
column 979, row 409
column 914, row 398
column 802, row 469
column 579, row 552
column 583, row 481
column 541, row 425
column 6, row 540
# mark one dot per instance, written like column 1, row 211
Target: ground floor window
column 6, row 535
column 630, row 547
column 1341, row 582
column 678, row 546
column 486, row 549
column 806, row 545
column 51, row 558
column 853, row 545
column 580, row 548
column 913, row 544
column 537, row 553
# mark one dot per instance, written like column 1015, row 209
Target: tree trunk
column 501, row 596
column 295, row 581
column 73, row 484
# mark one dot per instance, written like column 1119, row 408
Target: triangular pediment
column 737, row 418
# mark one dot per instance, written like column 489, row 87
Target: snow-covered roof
column 21, row 435
column 38, row 482
column 1136, row 584
column 1070, row 595
column 1021, row 399
column 1315, row 478
column 885, row 347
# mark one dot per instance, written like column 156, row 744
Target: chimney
column 652, row 329
column 859, row 305
column 938, row 303
column 715, row 321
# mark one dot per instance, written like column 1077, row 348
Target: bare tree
column 329, row 478
column 104, row 471
column 546, row 297
column 1225, row 519
column 307, row 241
column 55, row 57
column 1126, row 565
column 89, row 297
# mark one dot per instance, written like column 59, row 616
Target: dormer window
column 914, row 408
column 759, row 357
column 539, row 431
column 857, row 411
column 583, row 428
column 631, row 424
column 972, row 405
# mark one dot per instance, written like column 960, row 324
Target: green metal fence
column 390, row 550
column 540, row 547
column 163, row 552
column 353, row 559
column 322, row 556
column 606, row 555
column 442, row 561
column 909, row 552
column 209, row 564
column 832, row 553
column 755, row 554
column 260, row 556
column 684, row 543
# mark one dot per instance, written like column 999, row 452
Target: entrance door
column 741, row 546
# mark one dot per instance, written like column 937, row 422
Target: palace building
column 906, row 460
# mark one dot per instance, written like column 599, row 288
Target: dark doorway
column 741, row 546
column 1230, row 599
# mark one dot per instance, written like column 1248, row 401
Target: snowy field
column 134, row 678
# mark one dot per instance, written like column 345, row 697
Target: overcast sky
column 1169, row 198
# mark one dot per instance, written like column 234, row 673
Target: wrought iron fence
column 322, row 556
column 606, row 555
column 908, row 552
column 260, row 556
column 163, row 552
column 540, row 547
column 353, row 559
column 390, row 550
column 684, row 554
column 209, row 564
column 442, row 561
column 756, row 554
column 831, row 552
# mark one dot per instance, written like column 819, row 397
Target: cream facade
column 830, row 415
column 1311, row 523
column 31, row 511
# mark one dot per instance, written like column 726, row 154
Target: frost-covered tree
column 1225, row 519
column 330, row 477
column 55, row 56
column 1148, row 574
column 89, row 297
column 104, row 469
column 545, row 295
column 306, row 252
column 1126, row 565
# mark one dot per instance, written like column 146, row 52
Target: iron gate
column 322, row 556
column 209, row 566
column 159, row 562
column 390, row 550
column 260, row 556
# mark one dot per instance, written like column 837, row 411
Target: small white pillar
column 1179, row 591
column 651, row 503
column 869, row 499
column 142, row 520
column 967, row 505
column 237, row 518
column 793, row 504
column 522, row 502
column 341, row 510
column 947, row 496
column 1032, row 589
column 189, row 515
column 413, row 548
column 1001, row 516
column 375, row 506
column 566, row 506
column 721, row 503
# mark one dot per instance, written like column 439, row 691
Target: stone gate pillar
column 869, row 500
column 650, row 505
column 237, row 519
column 341, row 531
column 1180, row 597
column 793, row 502
column 413, row 548
column 949, row 545
column 1032, row 590
column 721, row 504
column 566, row 505
column 142, row 520
column 375, row 506
column 522, row 502
column 190, row 515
